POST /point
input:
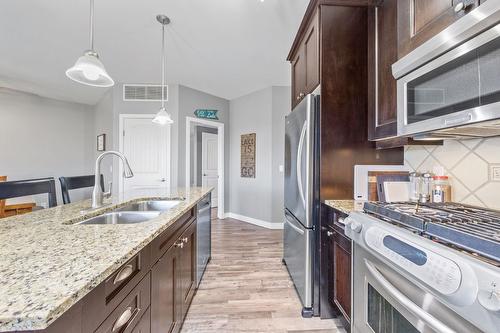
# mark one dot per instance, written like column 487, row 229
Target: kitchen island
column 53, row 270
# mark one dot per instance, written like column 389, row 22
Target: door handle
column 417, row 311
column 300, row 231
column 299, row 163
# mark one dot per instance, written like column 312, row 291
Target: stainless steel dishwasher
column 204, row 234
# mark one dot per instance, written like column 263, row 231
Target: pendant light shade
column 88, row 69
column 163, row 117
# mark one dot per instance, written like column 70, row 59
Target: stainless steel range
column 431, row 268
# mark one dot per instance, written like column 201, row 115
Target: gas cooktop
column 474, row 229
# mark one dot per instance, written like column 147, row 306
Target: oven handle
column 406, row 302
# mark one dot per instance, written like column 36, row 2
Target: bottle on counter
column 426, row 189
column 441, row 189
column 415, row 186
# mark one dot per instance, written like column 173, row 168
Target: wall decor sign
column 101, row 142
column 248, row 155
column 206, row 114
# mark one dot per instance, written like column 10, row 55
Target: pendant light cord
column 163, row 61
column 92, row 25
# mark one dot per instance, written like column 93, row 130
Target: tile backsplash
column 472, row 165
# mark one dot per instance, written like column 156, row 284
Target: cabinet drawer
column 106, row 296
column 166, row 239
column 129, row 312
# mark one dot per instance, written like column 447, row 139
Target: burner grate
column 471, row 228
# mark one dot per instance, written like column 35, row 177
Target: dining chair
column 22, row 188
column 2, row 202
column 73, row 183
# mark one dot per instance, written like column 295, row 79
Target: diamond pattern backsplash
column 472, row 165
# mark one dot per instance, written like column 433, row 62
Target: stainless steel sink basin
column 149, row 206
column 121, row 218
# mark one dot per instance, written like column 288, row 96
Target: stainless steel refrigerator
column 301, row 199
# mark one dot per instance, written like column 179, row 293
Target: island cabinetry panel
column 174, row 283
column 103, row 299
column 130, row 311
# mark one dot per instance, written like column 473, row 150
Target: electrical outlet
column 495, row 172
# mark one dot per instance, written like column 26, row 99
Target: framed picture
column 101, row 142
column 248, row 155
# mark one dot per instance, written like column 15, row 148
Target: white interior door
column 209, row 164
column 146, row 146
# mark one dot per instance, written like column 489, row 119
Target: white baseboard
column 251, row 220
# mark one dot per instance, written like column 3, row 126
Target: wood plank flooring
column 246, row 288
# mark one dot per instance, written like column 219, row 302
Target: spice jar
column 426, row 188
column 441, row 190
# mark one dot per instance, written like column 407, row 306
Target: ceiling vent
column 143, row 92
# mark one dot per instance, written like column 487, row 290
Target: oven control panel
column 438, row 272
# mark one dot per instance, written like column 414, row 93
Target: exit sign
column 206, row 114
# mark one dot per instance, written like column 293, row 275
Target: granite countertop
column 47, row 264
column 346, row 206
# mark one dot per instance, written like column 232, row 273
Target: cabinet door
column 165, row 305
column 383, row 43
column 187, row 264
column 419, row 20
column 298, row 76
column 342, row 272
column 311, row 52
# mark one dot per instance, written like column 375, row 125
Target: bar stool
column 72, row 183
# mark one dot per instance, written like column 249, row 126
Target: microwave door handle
column 420, row 313
column 300, row 150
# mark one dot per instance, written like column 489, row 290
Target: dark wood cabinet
column 173, row 283
column 305, row 63
column 420, row 20
column 335, row 266
column 165, row 302
column 383, row 52
column 187, row 271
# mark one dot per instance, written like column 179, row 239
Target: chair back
column 2, row 202
column 73, row 183
column 22, row 188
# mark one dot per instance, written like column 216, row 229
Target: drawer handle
column 123, row 274
column 125, row 318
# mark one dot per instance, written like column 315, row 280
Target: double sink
column 136, row 212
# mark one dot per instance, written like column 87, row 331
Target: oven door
column 459, row 88
column 384, row 301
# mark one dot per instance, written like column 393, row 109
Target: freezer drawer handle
column 420, row 313
column 299, row 163
column 300, row 231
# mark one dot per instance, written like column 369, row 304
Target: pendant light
column 88, row 69
column 163, row 117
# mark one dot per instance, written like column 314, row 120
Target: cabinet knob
column 185, row 240
column 329, row 233
column 179, row 244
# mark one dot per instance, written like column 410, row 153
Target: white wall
column 261, row 112
column 189, row 101
column 42, row 137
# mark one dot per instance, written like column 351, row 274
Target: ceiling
column 224, row 47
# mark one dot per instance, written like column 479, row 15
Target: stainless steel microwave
column 449, row 87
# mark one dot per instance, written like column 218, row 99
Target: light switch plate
column 282, row 169
column 495, row 172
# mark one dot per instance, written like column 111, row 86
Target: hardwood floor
column 246, row 288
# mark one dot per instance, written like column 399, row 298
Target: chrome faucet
column 97, row 193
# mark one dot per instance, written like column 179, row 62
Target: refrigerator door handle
column 299, row 163
column 290, row 223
